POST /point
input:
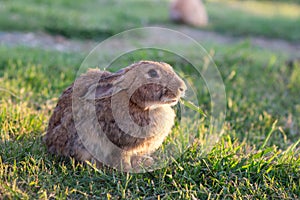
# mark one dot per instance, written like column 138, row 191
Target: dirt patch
column 59, row 43
column 44, row 41
column 278, row 45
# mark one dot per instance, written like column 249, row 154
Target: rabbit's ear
column 108, row 85
column 104, row 88
column 97, row 91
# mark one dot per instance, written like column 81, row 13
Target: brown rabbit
column 191, row 12
column 116, row 119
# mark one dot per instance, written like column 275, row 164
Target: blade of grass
column 192, row 106
column 269, row 135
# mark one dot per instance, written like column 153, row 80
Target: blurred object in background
column 191, row 12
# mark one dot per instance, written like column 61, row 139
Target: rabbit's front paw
column 141, row 161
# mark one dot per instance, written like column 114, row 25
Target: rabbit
column 191, row 12
column 116, row 119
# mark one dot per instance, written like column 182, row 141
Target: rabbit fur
column 116, row 119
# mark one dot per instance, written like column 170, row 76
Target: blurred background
column 99, row 19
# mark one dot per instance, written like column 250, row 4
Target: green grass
column 257, row 157
column 82, row 19
column 251, row 18
column 100, row 19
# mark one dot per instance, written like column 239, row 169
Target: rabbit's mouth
column 170, row 101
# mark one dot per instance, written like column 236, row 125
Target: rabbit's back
column 61, row 137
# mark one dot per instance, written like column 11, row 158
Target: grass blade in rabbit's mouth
column 192, row 106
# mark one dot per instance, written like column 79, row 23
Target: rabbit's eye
column 153, row 73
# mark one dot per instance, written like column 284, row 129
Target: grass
column 88, row 19
column 94, row 19
column 268, row 19
column 257, row 157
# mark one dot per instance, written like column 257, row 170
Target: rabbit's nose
column 182, row 91
column 182, row 87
